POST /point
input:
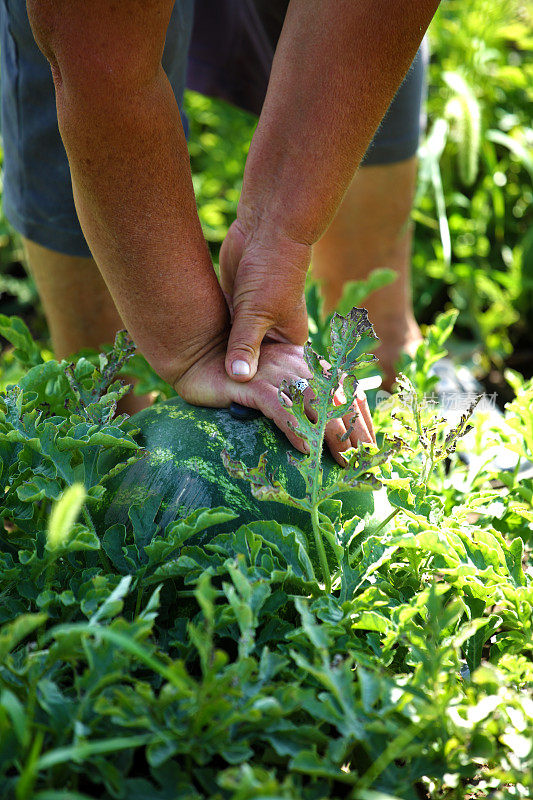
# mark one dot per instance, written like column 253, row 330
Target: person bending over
column 336, row 68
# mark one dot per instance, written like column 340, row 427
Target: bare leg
column 77, row 304
column 372, row 229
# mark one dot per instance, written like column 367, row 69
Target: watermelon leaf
column 352, row 336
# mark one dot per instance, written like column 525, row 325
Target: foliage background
column 419, row 685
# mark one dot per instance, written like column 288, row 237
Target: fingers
column 229, row 303
column 265, row 399
column 336, row 436
column 359, row 432
column 337, row 440
column 250, row 324
column 342, row 434
column 279, row 360
column 362, row 405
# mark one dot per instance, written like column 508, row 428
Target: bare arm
column 336, row 69
column 133, row 191
column 120, row 125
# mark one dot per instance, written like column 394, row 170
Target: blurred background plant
column 474, row 234
column 474, row 228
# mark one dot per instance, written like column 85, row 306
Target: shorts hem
column 245, row 95
column 70, row 243
column 390, row 154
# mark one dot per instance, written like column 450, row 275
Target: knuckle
column 249, row 312
column 252, row 305
column 239, row 347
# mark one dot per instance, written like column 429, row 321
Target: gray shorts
column 222, row 48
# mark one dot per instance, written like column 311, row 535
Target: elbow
column 43, row 21
column 96, row 49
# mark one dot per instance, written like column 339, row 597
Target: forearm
column 136, row 207
column 135, row 201
column 336, row 69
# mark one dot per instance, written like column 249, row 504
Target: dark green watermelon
column 183, row 470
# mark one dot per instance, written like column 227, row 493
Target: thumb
column 247, row 332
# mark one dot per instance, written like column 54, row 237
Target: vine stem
column 140, row 591
column 88, row 519
column 101, row 553
column 315, row 500
column 392, row 751
column 378, row 529
column 386, row 521
column 320, row 547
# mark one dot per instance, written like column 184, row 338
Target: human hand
column 262, row 274
column 207, row 383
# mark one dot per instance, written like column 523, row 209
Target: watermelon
column 182, row 470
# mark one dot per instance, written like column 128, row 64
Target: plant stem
column 386, row 521
column 392, row 751
column 42, row 513
column 88, row 519
column 516, row 470
column 101, row 554
column 140, row 591
column 378, row 529
column 320, row 547
column 315, row 500
column 524, row 493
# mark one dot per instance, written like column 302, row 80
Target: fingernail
column 239, row 367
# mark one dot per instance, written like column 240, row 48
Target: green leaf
column 124, row 642
column 355, row 292
column 289, row 543
column 513, row 558
column 198, row 521
column 17, row 714
column 84, row 750
column 473, row 646
column 309, row 762
column 60, row 794
column 514, row 146
column 371, row 621
column 113, row 604
column 16, row 331
column 82, row 538
column 114, row 544
column 370, row 686
column 317, row 634
column 13, row 632
column 64, row 515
